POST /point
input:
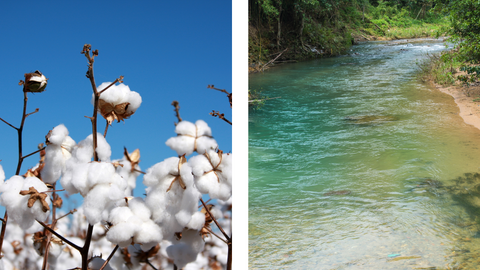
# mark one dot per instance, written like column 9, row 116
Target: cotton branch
column 229, row 95
column 220, row 115
column 177, row 111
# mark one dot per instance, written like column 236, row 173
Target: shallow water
column 357, row 166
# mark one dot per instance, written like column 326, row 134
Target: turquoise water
column 357, row 166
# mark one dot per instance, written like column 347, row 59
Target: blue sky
column 166, row 50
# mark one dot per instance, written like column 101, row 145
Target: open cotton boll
column 217, row 180
column 117, row 102
column 192, row 137
column 186, row 249
column 98, row 200
column 17, row 204
column 57, row 135
column 197, row 221
column 100, row 173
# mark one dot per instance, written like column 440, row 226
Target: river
column 359, row 165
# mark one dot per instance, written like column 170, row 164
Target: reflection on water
column 360, row 166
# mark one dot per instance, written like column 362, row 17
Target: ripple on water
column 339, row 167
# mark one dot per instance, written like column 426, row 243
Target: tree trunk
column 279, row 26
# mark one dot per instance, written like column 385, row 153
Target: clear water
column 361, row 166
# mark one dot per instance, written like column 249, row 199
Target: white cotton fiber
column 197, row 221
column 203, row 129
column 186, row 249
column 17, row 205
column 218, row 183
column 186, row 128
column 120, row 93
column 57, row 152
column 192, row 137
column 183, row 145
column 205, row 144
column 58, row 135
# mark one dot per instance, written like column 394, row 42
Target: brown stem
column 36, row 110
column 210, row 230
column 19, row 164
column 177, row 111
column 221, row 90
column 151, row 265
column 8, row 124
column 139, row 171
column 69, row 213
column 60, row 236
column 215, row 220
column 33, row 153
column 113, row 83
column 52, row 226
column 109, row 257
column 106, row 129
column 86, row 51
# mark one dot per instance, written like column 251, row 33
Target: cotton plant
column 166, row 224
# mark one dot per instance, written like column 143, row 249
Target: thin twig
column 33, row 153
column 151, row 265
column 60, row 236
column 220, row 115
column 139, row 171
column 177, row 111
column 210, row 230
column 211, row 86
column 113, row 83
column 52, row 226
column 106, row 129
column 36, row 110
column 109, row 257
column 8, row 124
column 215, row 220
column 69, row 213
column 271, row 61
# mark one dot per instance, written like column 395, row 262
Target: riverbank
column 464, row 98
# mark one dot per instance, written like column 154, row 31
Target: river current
column 359, row 165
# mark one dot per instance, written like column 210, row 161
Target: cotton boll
column 17, row 204
column 186, row 249
column 99, row 173
column 183, row 145
column 138, row 207
column 203, row 129
column 135, row 100
column 197, row 221
column 74, row 178
column 148, row 234
column 205, row 144
column 186, row 128
column 217, row 180
column 57, row 135
column 96, row 202
column 103, row 148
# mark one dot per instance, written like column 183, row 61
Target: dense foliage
column 312, row 28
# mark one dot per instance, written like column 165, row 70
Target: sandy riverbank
column 469, row 109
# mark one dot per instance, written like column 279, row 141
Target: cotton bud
column 34, row 82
